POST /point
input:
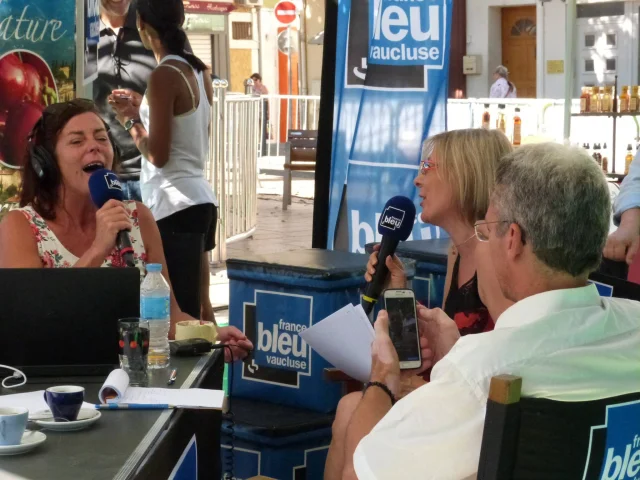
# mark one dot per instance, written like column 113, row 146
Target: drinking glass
column 133, row 348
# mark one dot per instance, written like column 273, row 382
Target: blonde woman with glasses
column 457, row 175
column 456, row 178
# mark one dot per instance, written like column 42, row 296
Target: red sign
column 285, row 12
column 199, row 6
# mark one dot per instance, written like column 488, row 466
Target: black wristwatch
column 128, row 125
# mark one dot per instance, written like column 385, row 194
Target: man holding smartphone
column 542, row 251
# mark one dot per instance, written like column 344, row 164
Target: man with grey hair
column 544, row 233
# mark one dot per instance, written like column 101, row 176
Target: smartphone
column 400, row 305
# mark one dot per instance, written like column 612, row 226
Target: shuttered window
column 201, row 46
column 241, row 30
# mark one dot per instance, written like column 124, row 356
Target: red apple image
column 13, row 81
column 34, row 83
column 20, row 121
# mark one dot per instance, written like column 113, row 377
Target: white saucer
column 30, row 440
column 86, row 418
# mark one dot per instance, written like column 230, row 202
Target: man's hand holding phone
column 385, row 364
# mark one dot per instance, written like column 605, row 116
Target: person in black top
column 123, row 63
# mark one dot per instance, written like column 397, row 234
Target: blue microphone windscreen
column 104, row 185
column 397, row 218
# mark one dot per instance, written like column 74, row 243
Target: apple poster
column 37, row 68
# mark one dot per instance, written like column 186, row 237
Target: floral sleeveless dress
column 54, row 255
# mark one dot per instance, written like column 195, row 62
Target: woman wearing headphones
column 170, row 126
column 57, row 224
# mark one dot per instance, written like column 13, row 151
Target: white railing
column 281, row 113
column 233, row 165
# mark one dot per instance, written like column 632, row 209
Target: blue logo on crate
column 621, row 460
column 409, row 32
column 273, row 323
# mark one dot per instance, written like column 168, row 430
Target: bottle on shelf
column 154, row 307
column 605, row 96
column 624, row 100
column 628, row 159
column 501, row 123
column 595, row 100
column 596, row 154
column 633, row 99
column 605, row 164
column 585, row 100
column 486, row 117
column 517, row 128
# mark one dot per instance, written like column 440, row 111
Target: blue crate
column 271, row 299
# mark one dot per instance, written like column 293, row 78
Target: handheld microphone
column 105, row 185
column 395, row 225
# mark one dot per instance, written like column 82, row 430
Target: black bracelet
column 384, row 388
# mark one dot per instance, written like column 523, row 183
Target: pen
column 133, row 406
column 173, row 376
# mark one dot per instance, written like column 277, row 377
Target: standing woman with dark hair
column 170, row 126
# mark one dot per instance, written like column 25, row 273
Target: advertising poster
column 392, row 74
column 91, row 39
column 37, row 68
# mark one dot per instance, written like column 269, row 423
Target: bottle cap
column 501, row 105
column 486, row 105
column 518, row 109
column 154, row 267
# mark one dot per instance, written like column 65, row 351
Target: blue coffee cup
column 64, row 402
column 13, row 422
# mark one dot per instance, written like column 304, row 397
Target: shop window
column 241, row 30
column 589, row 66
column 589, row 40
column 603, row 9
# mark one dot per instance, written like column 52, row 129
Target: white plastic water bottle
column 155, row 298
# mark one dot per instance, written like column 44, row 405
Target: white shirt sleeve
column 499, row 89
column 434, row 433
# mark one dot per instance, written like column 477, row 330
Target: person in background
column 57, row 224
column 123, row 62
column 259, row 88
column 170, row 127
column 455, row 181
column 502, row 87
column 622, row 245
column 542, row 251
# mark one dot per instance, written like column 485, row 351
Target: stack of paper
column 344, row 339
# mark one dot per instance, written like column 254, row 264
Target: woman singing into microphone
column 58, row 225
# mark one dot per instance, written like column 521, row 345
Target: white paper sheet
column 344, row 339
column 188, row 397
column 33, row 401
column 118, row 381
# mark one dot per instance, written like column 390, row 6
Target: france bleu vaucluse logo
column 113, row 183
column 392, row 218
column 273, row 324
column 393, row 43
column 621, row 460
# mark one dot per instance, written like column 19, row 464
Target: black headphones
column 43, row 161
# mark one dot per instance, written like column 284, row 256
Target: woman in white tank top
column 170, row 126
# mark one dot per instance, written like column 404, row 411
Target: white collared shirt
column 568, row 345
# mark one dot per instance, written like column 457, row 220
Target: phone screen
column 403, row 327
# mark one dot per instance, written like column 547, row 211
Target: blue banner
column 391, row 94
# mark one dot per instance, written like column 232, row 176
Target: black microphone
column 395, row 225
column 105, row 185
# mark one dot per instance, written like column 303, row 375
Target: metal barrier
column 281, row 113
column 233, row 165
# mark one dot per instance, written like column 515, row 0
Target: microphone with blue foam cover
column 104, row 185
column 395, row 226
